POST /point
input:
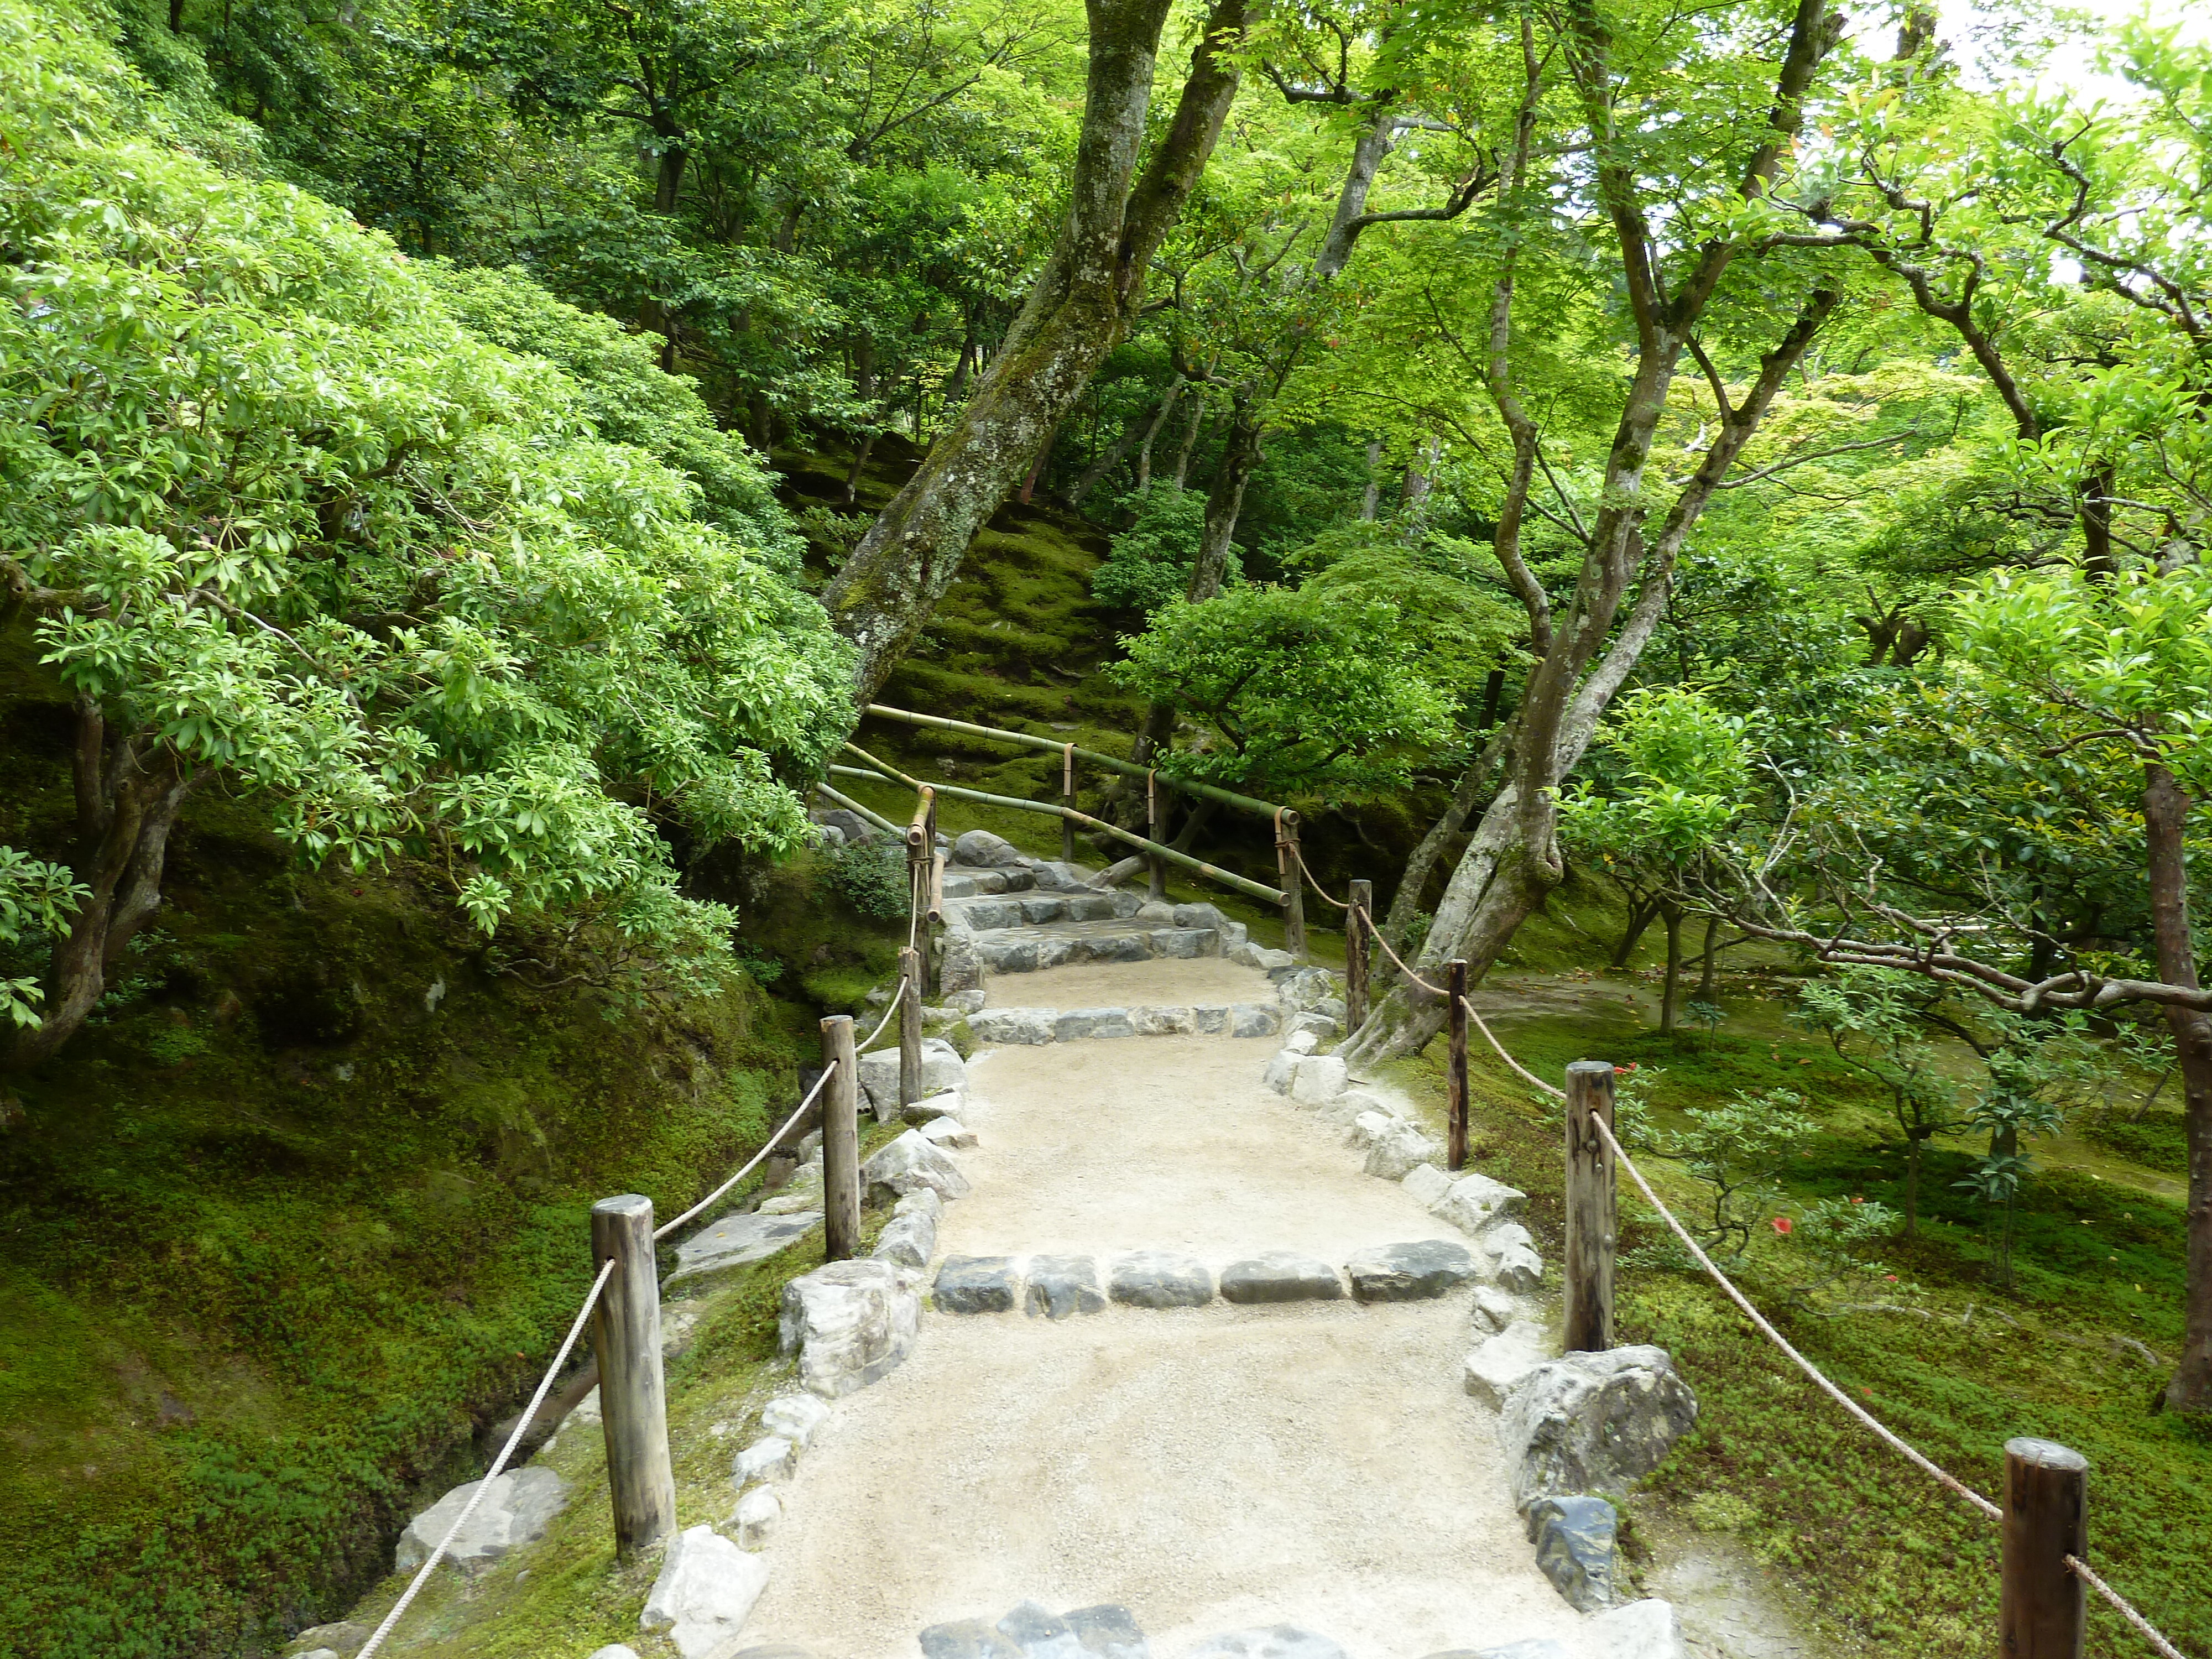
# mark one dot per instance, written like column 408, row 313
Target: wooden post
column 1455, row 1083
column 909, row 1023
column 2041, row 1608
column 1355, row 955
column 840, row 1142
column 1590, row 1204
column 1067, row 799
column 1158, row 888
column 633, row 1397
column 1294, row 885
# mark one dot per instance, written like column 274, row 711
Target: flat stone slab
column 977, row 1283
column 1418, row 1272
column 738, row 1241
column 1502, row 1360
column 1161, row 1278
column 1061, row 1286
column 515, row 1510
column 1280, row 1276
column 1574, row 1538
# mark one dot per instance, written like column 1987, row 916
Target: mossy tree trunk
column 1082, row 305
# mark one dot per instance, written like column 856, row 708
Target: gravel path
column 1209, row 1468
column 1166, row 982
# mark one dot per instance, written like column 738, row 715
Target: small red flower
column 1892, row 1277
column 1856, row 1200
column 1782, row 1224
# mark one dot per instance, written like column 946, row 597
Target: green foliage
column 1301, row 693
column 870, row 877
column 306, row 533
column 1737, row 1152
column 1150, row 562
column 36, row 900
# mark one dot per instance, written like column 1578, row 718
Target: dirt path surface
column 1211, row 1469
column 1169, row 982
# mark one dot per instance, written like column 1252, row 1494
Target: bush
column 1150, row 564
column 870, row 877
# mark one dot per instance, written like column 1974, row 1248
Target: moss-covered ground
column 300, row 1213
column 1889, row 1563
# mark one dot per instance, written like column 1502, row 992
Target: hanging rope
column 1311, row 882
column 1557, row 1094
column 668, row 1227
column 1376, row 933
column 890, row 1014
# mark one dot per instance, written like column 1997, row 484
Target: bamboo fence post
column 1067, row 799
column 1158, row 889
column 1294, row 887
column 840, row 1142
column 2041, row 1611
column 1355, row 955
column 1455, row 1015
column 633, row 1395
column 909, row 1023
column 1591, row 1223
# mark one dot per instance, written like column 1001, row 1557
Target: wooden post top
column 2046, row 1454
column 1589, row 1068
column 624, row 1205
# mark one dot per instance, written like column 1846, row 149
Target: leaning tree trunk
column 2166, row 811
column 1670, row 995
column 1080, row 307
column 129, row 792
column 1239, row 456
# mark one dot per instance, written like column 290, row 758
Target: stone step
column 963, row 881
column 1028, row 1027
column 989, row 912
column 1061, row 1286
column 1060, row 945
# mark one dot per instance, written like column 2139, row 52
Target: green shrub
column 869, row 877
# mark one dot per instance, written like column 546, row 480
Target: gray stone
column 1160, row 1278
column 1008, row 956
column 1060, row 877
column 1014, row 1027
column 623, row 1650
column 912, row 1162
column 1409, row 1272
column 1574, row 1539
column 948, row 1132
column 1039, row 1634
column 736, row 1241
column 1164, row 1022
column 1321, row 1079
column 1108, row 1631
column 1536, row 1647
column 1252, row 1019
column 515, row 1510
column 1271, row 1642
column 1092, row 907
column 929, row 1108
column 1425, row 1184
column 1077, row 1023
column 1368, row 1124
column 1476, row 1201
column 1114, row 947
column 1041, row 908
column 757, row 1513
column 922, row 1201
column 766, row 1459
column 1514, row 1265
column 850, row 826
column 1593, row 1422
column 966, row 1638
column 976, row 1283
column 908, row 1240
column 1396, row 1147
column 1301, row 1042
column 1494, row 1309
column 705, row 1593
column 1211, row 1019
column 1249, row 954
column 985, row 851
column 776, row 1650
column 1061, row 1286
column 1158, row 912
column 1331, row 1009
column 794, row 1417
column 1320, row 1026
column 345, row 1638
column 959, row 966
column 851, row 1323
column 1199, row 915
column 1179, row 942
column 966, row 1002
column 1282, row 1070
column 1642, row 1629
column 1280, row 1276
column 1306, row 988
column 942, row 1070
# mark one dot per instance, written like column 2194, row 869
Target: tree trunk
column 668, row 181
column 1239, row 457
column 1117, row 451
column 1159, row 419
column 1913, row 1144
column 1080, row 307
column 1640, row 918
column 1373, row 496
column 1412, row 884
column 1672, row 916
column 127, row 804
column 1036, row 469
column 1189, row 441
column 2166, row 811
column 1705, row 972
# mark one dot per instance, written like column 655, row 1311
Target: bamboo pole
column 1213, row 872
column 910, row 1024
column 1112, row 763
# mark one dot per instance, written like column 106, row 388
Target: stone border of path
column 1061, row 1286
